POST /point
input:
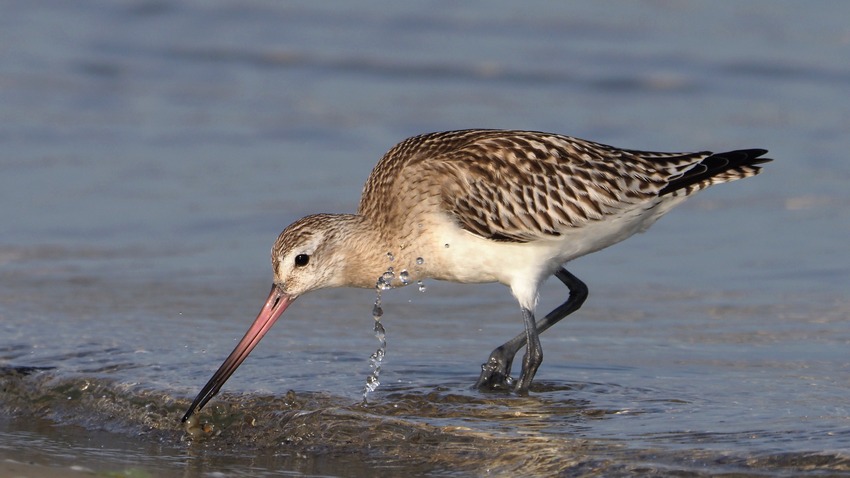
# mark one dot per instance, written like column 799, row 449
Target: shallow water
column 154, row 150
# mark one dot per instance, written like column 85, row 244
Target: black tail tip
column 745, row 157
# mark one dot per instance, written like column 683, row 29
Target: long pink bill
column 271, row 311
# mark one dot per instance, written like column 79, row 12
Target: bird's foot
column 494, row 376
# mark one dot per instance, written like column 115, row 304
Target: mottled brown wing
column 523, row 186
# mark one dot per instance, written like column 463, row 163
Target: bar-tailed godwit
column 479, row 206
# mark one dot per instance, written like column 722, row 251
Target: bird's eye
column 301, row 260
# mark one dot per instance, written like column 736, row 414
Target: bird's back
column 524, row 186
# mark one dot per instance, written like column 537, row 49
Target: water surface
column 152, row 151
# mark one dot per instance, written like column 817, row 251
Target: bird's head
column 312, row 253
column 308, row 255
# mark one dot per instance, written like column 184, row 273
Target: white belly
column 464, row 257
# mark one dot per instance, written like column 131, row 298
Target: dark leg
column 533, row 353
column 495, row 374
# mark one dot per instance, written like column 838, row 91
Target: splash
column 376, row 358
column 372, row 382
column 385, row 282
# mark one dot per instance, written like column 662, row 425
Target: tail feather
column 717, row 168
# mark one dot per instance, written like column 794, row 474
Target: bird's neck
column 370, row 255
column 365, row 258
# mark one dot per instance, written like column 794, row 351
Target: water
column 385, row 282
column 153, row 150
column 372, row 382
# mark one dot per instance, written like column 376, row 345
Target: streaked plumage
column 486, row 206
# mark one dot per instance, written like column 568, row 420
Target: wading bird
column 477, row 206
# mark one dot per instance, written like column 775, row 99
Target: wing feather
column 523, row 186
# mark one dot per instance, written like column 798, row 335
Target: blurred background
column 152, row 151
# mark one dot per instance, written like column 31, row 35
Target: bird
column 479, row 206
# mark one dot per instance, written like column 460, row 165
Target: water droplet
column 372, row 383
column 377, row 311
column 390, row 256
column 404, row 277
column 420, row 261
column 385, row 282
column 376, row 358
column 446, row 246
column 421, row 285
